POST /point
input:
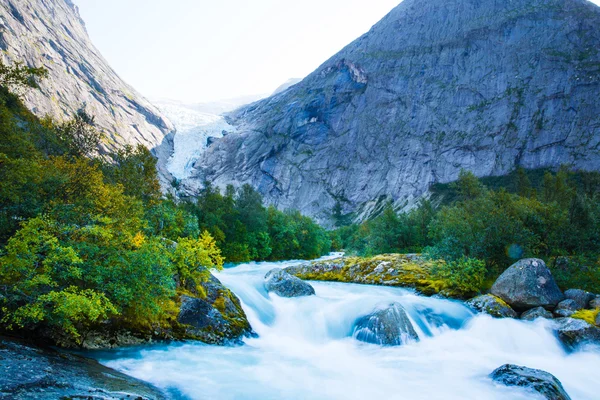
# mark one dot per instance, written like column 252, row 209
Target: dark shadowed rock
column 217, row 318
column 580, row 297
column 535, row 313
column 388, row 327
column 574, row 332
column 535, row 380
column 28, row 372
column 566, row 308
column 492, row 305
column 285, row 285
column 527, row 284
column 595, row 303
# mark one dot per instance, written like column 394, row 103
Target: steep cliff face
column 434, row 87
column 51, row 33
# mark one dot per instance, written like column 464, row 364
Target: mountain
column 51, row 33
column 286, row 85
column 435, row 87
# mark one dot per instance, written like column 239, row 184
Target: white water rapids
column 305, row 350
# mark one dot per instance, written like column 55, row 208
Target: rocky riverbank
column 29, row 372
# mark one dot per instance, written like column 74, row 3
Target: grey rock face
column 492, row 305
column 28, row 372
column 388, row 327
column 52, row 34
column 535, row 313
column 536, row 380
column 527, row 284
column 218, row 318
column 580, row 297
column 435, row 87
column 566, row 308
column 285, row 285
column 574, row 332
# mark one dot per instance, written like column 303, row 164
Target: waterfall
column 305, row 349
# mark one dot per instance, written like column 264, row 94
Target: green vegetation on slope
column 89, row 243
column 556, row 219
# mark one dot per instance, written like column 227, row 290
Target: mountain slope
column 51, row 33
column 434, row 87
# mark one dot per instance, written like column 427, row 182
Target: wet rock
column 594, row 303
column 566, row 308
column 492, row 305
column 580, row 297
column 597, row 321
column 575, row 332
column 388, row 327
column 536, row 380
column 285, row 285
column 535, row 313
column 217, row 319
column 527, row 284
column 28, row 372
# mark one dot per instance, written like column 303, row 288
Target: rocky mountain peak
column 51, row 33
column 435, row 87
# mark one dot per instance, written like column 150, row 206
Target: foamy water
column 305, row 350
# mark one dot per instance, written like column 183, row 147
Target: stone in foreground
column 528, row 284
column 536, row 380
column 575, row 332
column 492, row 305
column 285, row 285
column 217, row 319
column 580, row 297
column 388, row 327
column 28, row 372
column 535, row 313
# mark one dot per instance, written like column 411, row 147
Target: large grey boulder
column 492, row 305
column 575, row 332
column 285, row 285
column 387, row 327
column 29, row 372
column 435, row 87
column 566, row 308
column 526, row 284
column 580, row 297
column 217, row 318
column 534, row 380
column 535, row 313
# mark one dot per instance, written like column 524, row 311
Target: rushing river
column 305, row 350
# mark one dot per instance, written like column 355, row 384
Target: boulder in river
column 574, row 332
column 29, row 372
column 535, row 380
column 285, row 285
column 535, row 313
column 388, row 327
column 566, row 308
column 217, row 318
column 492, row 305
column 527, row 284
column 580, row 297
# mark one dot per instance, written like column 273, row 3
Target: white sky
column 203, row 50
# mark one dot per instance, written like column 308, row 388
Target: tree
column 18, row 77
column 79, row 135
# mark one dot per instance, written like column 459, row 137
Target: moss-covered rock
column 215, row 316
column 492, row 305
column 402, row 270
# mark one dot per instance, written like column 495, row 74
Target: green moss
column 588, row 316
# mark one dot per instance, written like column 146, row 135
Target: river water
column 305, row 350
